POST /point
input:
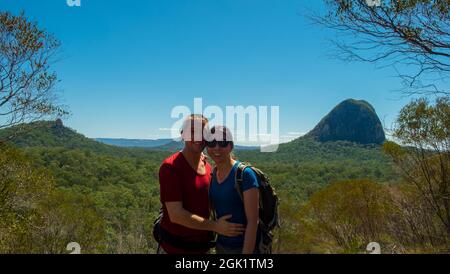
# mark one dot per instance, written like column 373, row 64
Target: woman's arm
column 251, row 204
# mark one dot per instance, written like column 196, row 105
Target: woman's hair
column 220, row 133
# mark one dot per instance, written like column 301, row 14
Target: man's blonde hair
column 192, row 121
column 196, row 117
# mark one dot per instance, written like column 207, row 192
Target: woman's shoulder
column 249, row 172
column 250, row 178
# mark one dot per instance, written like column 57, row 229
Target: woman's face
column 220, row 154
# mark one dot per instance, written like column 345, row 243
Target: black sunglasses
column 222, row 144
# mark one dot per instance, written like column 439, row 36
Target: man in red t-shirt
column 184, row 180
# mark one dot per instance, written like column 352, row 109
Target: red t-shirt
column 179, row 182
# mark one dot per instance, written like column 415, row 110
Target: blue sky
column 125, row 64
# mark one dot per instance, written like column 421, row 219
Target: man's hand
column 178, row 215
column 225, row 228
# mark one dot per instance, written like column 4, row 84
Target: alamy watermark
column 250, row 125
column 74, row 247
column 373, row 3
column 73, row 3
column 77, row 3
column 372, row 248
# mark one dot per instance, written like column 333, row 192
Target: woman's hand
column 225, row 228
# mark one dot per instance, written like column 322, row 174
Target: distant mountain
column 178, row 145
column 331, row 160
column 158, row 144
column 134, row 142
column 48, row 134
column 172, row 146
column 353, row 121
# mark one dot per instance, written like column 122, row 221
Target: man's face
column 193, row 137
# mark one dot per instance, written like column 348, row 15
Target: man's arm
column 180, row 216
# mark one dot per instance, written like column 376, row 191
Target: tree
column 423, row 130
column 346, row 216
column 411, row 35
column 27, row 84
column 37, row 217
column 413, row 226
column 22, row 189
column 67, row 216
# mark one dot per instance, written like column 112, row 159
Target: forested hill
column 54, row 135
column 122, row 142
column 49, row 134
column 307, row 149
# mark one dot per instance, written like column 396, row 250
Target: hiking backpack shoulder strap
column 240, row 179
column 211, row 204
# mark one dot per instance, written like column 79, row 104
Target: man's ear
column 181, row 135
column 204, row 157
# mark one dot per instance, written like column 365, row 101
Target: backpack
column 268, row 206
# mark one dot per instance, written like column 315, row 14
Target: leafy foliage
column 36, row 217
column 425, row 163
column 346, row 216
column 26, row 80
column 412, row 36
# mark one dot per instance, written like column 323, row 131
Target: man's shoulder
column 171, row 162
column 172, row 159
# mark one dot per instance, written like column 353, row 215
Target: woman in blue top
column 226, row 200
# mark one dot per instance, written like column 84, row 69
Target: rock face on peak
column 353, row 121
column 59, row 123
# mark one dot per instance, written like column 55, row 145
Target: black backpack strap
column 240, row 179
column 212, row 214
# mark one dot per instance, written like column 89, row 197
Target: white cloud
column 296, row 133
column 168, row 129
